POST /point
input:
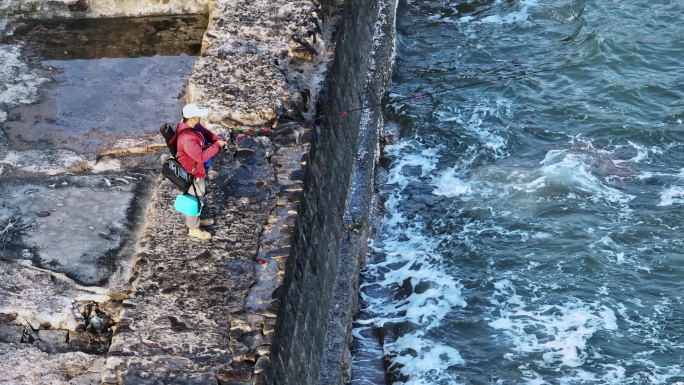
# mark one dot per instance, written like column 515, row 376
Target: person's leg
column 194, row 222
column 205, row 221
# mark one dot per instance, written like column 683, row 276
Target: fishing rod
column 519, row 75
column 468, row 85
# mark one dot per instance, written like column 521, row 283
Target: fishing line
column 342, row 113
column 468, row 85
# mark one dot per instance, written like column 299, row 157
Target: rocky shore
column 183, row 311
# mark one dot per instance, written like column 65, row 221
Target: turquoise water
column 531, row 227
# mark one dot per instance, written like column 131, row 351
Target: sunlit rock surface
column 257, row 62
column 32, row 297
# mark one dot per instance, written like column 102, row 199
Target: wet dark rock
column 260, row 379
column 237, row 373
column 30, row 334
column 8, row 317
column 79, row 6
column 51, row 341
column 88, row 343
column 178, row 325
column 305, row 137
column 252, row 340
column 11, row 334
column 170, row 289
column 203, row 256
column 43, row 346
column 219, row 289
column 262, row 364
column 238, row 350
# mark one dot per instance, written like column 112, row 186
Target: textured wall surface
column 340, row 162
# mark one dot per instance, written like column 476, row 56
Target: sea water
column 532, row 217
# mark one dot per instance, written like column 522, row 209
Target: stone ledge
column 204, row 311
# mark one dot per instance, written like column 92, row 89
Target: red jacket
column 191, row 148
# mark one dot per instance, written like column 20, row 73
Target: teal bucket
column 187, row 204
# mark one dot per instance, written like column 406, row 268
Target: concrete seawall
column 330, row 242
column 271, row 297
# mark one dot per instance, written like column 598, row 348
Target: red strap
column 176, row 136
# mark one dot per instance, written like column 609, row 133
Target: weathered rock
column 24, row 364
column 52, row 340
column 234, row 374
column 88, row 342
column 11, row 334
column 92, row 376
column 193, row 307
column 262, row 364
column 8, row 317
column 86, row 379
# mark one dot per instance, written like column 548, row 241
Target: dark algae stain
column 111, row 38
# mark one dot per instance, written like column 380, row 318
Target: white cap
column 192, row 111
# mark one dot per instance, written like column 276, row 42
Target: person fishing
column 196, row 147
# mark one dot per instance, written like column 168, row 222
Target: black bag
column 172, row 169
column 177, row 174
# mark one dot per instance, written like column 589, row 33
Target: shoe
column 206, row 222
column 199, row 234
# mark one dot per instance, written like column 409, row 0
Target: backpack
column 170, row 137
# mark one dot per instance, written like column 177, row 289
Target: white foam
column 642, row 153
column 425, row 161
column 519, row 15
column 515, row 17
column 410, row 255
column 572, row 169
column 559, row 331
column 672, row 195
column 430, row 360
column 448, row 184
